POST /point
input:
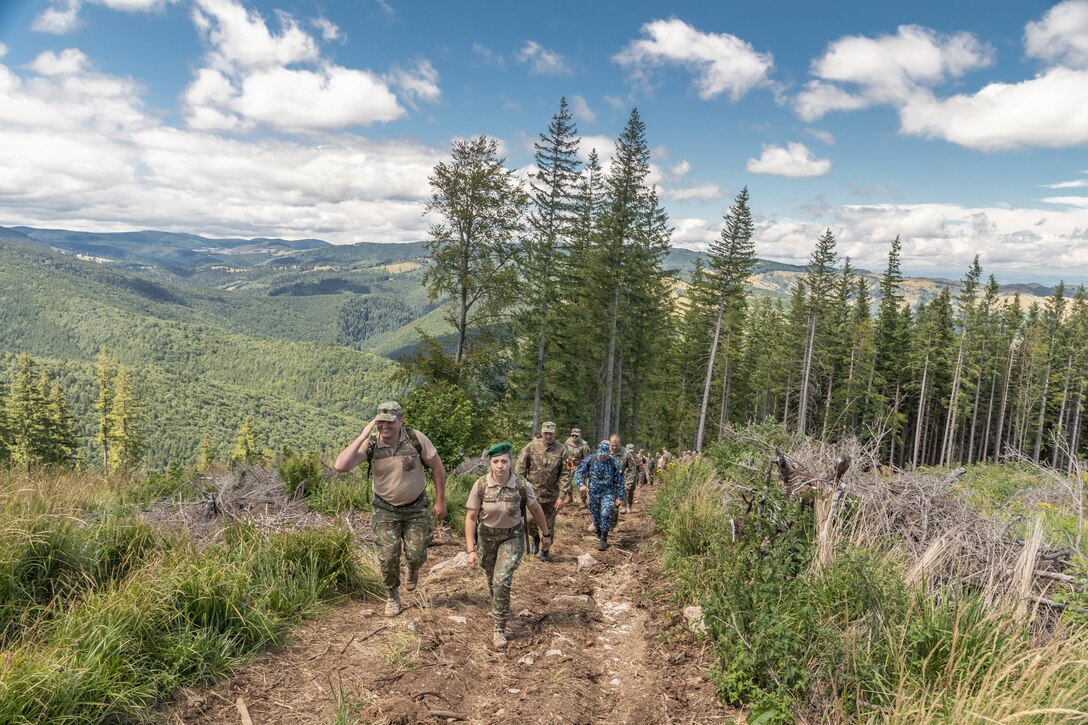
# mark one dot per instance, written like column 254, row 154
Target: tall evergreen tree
column 27, row 414
column 125, row 434
column 819, row 283
column 105, row 372
column 552, row 221
column 246, row 447
column 731, row 260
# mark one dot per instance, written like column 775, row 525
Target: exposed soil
column 596, row 639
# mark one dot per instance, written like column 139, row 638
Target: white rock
column 368, row 612
column 585, row 561
column 694, row 615
column 608, row 648
column 514, row 690
column 578, row 598
column 527, row 660
column 525, row 613
column 457, row 618
column 614, row 609
column 615, row 682
column 554, row 653
column 460, row 560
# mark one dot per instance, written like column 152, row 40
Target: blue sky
column 959, row 126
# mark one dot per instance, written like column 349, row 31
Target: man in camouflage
column 577, row 450
column 631, row 477
column 625, row 462
column 543, row 461
column 400, row 517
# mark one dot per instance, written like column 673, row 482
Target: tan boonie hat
column 389, row 411
column 547, row 427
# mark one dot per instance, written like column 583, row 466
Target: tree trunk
column 700, row 427
column 727, row 387
column 619, row 394
column 985, row 453
column 921, row 410
column 610, row 362
column 1061, row 414
column 806, row 372
column 998, row 439
column 950, row 420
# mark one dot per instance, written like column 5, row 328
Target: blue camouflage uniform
column 605, row 484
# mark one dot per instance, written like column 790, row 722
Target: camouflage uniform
column 577, row 450
column 500, row 550
column 625, row 461
column 605, row 485
column 547, row 469
column 393, row 524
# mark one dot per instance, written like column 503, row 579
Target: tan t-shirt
column 398, row 472
column 500, row 506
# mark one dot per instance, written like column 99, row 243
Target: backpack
column 372, row 444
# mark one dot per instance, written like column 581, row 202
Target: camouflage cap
column 576, row 431
column 603, row 448
column 630, row 446
column 547, row 427
column 389, row 411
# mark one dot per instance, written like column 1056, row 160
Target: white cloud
column 329, row 30
column 68, row 62
column 1075, row 184
column 795, row 161
column 887, row 69
column 1050, row 110
column 1061, row 36
column 63, row 15
column 581, row 110
column 1077, row 201
column 419, row 82
column 82, row 151
column 702, row 192
column 489, row 56
column 617, row 103
column 678, row 171
column 605, row 146
column 820, row 135
column 722, row 63
column 257, row 76
column 542, row 62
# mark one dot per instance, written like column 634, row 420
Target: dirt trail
column 595, row 639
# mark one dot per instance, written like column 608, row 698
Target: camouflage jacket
column 625, row 462
column 602, row 478
column 577, row 449
column 547, row 469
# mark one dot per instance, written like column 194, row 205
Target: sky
column 960, row 127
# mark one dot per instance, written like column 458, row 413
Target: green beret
column 499, row 449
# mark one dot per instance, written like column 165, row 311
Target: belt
column 382, row 503
column 493, row 530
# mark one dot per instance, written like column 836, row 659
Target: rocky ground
column 598, row 637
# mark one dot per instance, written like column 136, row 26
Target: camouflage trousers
column 549, row 514
column 396, row 526
column 629, row 490
column 500, row 555
column 603, row 510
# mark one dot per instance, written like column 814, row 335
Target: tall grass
column 186, row 617
column 848, row 641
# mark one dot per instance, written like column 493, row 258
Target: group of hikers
column 513, row 504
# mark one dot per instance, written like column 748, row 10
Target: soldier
column 544, row 462
column 577, row 449
column 493, row 530
column 600, row 477
column 396, row 455
column 631, row 476
column 625, row 461
column 647, row 467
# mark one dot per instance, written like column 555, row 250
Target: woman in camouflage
column 494, row 529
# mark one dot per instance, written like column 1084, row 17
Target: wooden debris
column 243, row 711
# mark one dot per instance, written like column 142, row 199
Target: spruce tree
column 246, row 447
column 731, row 259
column 125, row 434
column 106, row 371
column 818, row 282
column 27, row 414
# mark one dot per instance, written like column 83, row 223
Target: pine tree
column 125, row 434
column 818, row 283
column 552, row 222
column 106, row 371
column 246, row 447
column 206, row 455
column 60, row 438
column 731, row 259
column 27, row 414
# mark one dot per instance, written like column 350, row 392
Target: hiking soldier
column 625, row 461
column 577, row 449
column 494, row 518
column 544, row 463
column 631, row 476
column 646, row 468
column 396, row 455
column 600, row 477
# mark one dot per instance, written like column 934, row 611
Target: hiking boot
column 545, row 556
column 498, row 639
column 534, row 545
column 413, row 580
column 392, row 603
column 602, row 543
